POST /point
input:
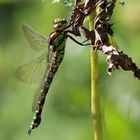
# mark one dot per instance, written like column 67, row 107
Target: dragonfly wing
column 32, row 72
column 36, row 40
column 36, row 97
column 37, row 93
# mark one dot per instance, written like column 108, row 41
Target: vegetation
column 66, row 114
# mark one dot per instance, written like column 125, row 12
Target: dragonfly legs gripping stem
column 82, row 44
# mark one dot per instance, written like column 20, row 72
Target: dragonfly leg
column 68, row 26
column 85, row 41
column 82, row 44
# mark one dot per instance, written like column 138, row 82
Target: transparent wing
column 37, row 93
column 33, row 71
column 36, row 96
column 35, row 39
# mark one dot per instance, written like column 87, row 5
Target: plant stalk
column 95, row 96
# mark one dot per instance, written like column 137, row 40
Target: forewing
column 35, row 39
column 32, row 72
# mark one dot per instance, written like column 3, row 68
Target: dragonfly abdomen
column 49, row 75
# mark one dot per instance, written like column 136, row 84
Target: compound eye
column 64, row 21
column 59, row 24
column 55, row 21
column 59, row 20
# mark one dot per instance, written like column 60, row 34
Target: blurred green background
column 66, row 114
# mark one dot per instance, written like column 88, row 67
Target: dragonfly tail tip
column 29, row 131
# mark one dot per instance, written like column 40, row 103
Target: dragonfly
column 52, row 58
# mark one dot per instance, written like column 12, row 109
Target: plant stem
column 95, row 97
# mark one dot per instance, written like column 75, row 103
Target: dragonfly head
column 59, row 24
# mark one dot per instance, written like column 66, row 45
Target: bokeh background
column 66, row 114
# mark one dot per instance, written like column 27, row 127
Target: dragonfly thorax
column 59, row 24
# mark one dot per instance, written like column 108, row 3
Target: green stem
column 95, row 97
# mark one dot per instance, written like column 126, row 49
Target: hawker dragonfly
column 56, row 43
